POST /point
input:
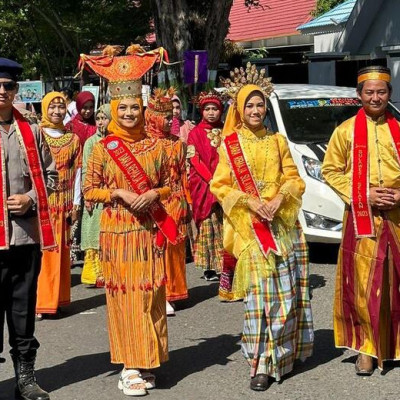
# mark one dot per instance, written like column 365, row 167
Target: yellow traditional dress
column 278, row 322
column 54, row 283
column 134, row 272
column 367, row 295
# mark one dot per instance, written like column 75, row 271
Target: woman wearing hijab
column 54, row 285
column 259, row 188
column 84, row 126
column 183, row 127
column 92, row 272
column 202, row 153
column 158, row 117
column 127, row 173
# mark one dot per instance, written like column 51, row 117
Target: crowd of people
column 128, row 190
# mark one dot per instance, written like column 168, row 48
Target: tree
column 324, row 6
column 191, row 24
column 47, row 36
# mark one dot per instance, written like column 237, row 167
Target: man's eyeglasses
column 8, row 86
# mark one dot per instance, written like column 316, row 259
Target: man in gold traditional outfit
column 362, row 166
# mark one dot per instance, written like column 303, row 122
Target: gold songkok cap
column 123, row 73
column 374, row 72
column 240, row 77
column 161, row 101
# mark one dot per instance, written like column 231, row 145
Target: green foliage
column 257, row 54
column 47, row 36
column 325, row 5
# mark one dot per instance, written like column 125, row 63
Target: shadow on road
column 316, row 282
column 198, row 294
column 82, row 305
column 75, row 280
column 322, row 253
column 189, row 360
column 324, row 352
column 74, row 370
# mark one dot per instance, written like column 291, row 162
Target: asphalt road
column 205, row 359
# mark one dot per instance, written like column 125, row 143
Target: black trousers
column 19, row 271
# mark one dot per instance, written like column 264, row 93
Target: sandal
column 149, row 379
column 131, row 377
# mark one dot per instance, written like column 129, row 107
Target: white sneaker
column 170, row 309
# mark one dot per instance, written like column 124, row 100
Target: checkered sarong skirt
column 208, row 248
column 278, row 324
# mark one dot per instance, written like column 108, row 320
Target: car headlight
column 317, row 221
column 313, row 168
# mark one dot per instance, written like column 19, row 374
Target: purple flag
column 195, row 67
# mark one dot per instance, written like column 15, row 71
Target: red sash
column 363, row 221
column 262, row 229
column 140, row 183
column 28, row 145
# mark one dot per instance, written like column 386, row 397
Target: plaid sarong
column 278, row 322
column 208, row 248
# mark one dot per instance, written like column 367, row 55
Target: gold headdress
column 161, row 101
column 209, row 97
column 374, row 72
column 240, row 77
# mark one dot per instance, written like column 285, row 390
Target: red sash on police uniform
column 261, row 229
column 361, row 208
column 140, row 183
column 28, row 144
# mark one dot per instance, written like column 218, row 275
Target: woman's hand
column 260, row 208
column 89, row 206
column 126, row 196
column 274, row 204
column 144, row 201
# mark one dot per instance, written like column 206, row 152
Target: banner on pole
column 195, row 66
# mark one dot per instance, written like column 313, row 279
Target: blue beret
column 9, row 69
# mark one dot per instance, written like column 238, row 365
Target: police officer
column 26, row 171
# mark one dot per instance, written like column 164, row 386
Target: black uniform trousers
column 19, row 271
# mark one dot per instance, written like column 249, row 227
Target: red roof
column 278, row 18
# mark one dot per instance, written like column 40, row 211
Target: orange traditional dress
column 177, row 204
column 124, row 164
column 133, row 271
column 54, row 284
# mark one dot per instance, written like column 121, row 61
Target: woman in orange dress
column 54, row 285
column 158, row 118
column 126, row 172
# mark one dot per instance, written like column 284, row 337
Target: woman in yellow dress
column 259, row 188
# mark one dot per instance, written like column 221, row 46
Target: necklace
column 250, row 147
column 8, row 122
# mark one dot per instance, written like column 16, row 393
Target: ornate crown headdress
column 208, row 97
column 240, row 77
column 161, row 101
column 123, row 72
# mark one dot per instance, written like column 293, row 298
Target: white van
column 307, row 115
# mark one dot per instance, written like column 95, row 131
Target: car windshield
column 313, row 120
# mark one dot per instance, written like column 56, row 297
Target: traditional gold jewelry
column 244, row 200
column 215, row 137
column 61, row 141
column 240, row 77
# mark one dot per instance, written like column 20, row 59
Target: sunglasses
column 8, row 86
